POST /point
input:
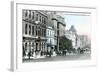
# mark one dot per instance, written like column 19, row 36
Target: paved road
column 60, row 58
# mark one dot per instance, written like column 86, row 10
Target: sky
column 82, row 23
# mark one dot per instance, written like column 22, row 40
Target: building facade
column 59, row 28
column 34, row 31
column 72, row 35
column 83, row 41
column 50, row 38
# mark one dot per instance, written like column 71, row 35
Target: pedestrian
column 29, row 54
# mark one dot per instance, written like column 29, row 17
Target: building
column 83, row 41
column 34, row 31
column 62, row 25
column 59, row 28
column 79, row 42
column 50, row 34
column 72, row 35
column 84, row 44
column 50, row 38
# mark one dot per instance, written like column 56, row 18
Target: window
column 36, row 46
column 33, row 15
column 25, row 28
column 50, row 33
column 29, row 14
column 44, row 21
column 42, row 32
column 26, row 14
column 32, row 30
column 25, row 46
column 40, row 18
column 36, row 31
column 42, row 46
column 29, row 44
column 29, row 29
column 36, row 17
column 33, row 45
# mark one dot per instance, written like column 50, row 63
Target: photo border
column 15, row 65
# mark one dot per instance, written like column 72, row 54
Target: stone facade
column 34, row 31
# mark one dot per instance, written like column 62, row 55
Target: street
column 60, row 58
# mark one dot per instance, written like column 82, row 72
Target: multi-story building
column 83, row 41
column 84, row 44
column 34, row 31
column 50, row 34
column 50, row 38
column 78, row 41
column 59, row 27
column 72, row 35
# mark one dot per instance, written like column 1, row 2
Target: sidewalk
column 39, row 57
column 35, row 57
column 44, row 56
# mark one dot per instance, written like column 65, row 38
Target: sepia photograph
column 55, row 35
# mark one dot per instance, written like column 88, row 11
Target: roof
column 72, row 29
